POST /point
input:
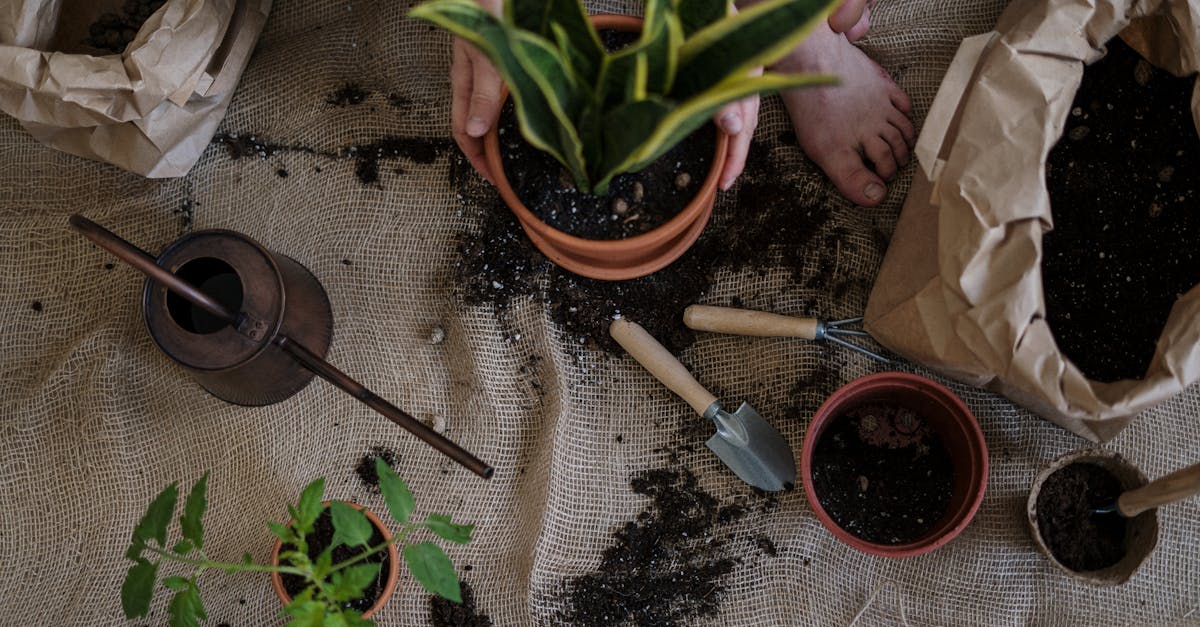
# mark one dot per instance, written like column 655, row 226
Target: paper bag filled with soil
column 969, row 285
column 141, row 84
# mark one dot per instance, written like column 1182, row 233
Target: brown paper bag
column 152, row 109
column 974, row 310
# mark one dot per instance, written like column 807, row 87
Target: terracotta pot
column 947, row 415
column 1142, row 534
column 620, row 258
column 393, row 573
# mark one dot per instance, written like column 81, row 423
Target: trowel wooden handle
column 661, row 363
column 748, row 322
column 1173, row 487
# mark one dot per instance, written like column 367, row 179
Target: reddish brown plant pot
column 393, row 573
column 617, row 259
column 954, row 424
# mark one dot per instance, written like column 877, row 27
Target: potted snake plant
column 601, row 113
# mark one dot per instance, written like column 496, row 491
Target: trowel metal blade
column 753, row 449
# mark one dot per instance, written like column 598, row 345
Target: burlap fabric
column 96, row 420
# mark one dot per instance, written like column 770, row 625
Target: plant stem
column 397, row 537
column 204, row 563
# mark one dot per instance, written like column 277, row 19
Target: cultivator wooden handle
column 1173, row 487
column 748, row 322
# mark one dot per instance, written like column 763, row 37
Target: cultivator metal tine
column 855, row 347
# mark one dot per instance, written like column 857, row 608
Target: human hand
column 738, row 120
column 475, row 97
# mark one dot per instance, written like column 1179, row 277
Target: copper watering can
column 251, row 326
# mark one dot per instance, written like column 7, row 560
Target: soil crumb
column 365, row 469
column 444, row 613
column 882, row 473
column 113, row 32
column 667, row 566
column 1124, row 183
column 347, row 95
column 1080, row 540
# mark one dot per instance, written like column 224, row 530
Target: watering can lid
column 261, row 307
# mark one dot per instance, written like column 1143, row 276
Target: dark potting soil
column 882, row 473
column 1080, row 540
column 113, row 31
column 1124, row 186
column 365, row 469
column 320, row 538
column 444, row 613
column 667, row 566
column 635, row 203
column 347, row 95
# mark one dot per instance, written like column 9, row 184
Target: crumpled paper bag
column 974, row 309
column 152, row 109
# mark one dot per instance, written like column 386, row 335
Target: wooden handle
column 1173, row 487
column 661, row 363
column 748, row 322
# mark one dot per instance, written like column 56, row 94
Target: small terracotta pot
column 947, row 415
column 1142, row 532
column 617, row 259
column 393, row 574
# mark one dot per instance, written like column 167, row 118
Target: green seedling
column 602, row 113
column 329, row 586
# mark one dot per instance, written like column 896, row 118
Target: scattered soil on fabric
column 368, row 157
column 1124, row 183
column 667, row 566
column 444, row 613
column 365, row 469
column 882, row 473
column 635, row 203
column 36, row 306
column 773, row 218
column 1079, row 539
column 112, row 32
column 347, row 95
column 320, row 538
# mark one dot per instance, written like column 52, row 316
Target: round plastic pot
column 1142, row 534
column 947, row 415
column 617, row 259
column 393, row 574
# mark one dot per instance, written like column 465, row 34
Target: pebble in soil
column 318, row 540
column 667, row 566
column 445, row 613
column 1124, row 187
column 1079, row 539
column 113, row 31
column 882, row 473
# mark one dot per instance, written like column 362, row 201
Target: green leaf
column 441, row 525
column 186, row 610
column 350, row 526
column 731, row 47
column 350, row 583
column 310, row 507
column 283, row 532
column 176, row 583
column 138, row 588
column 396, row 495
column 183, row 547
column 323, row 564
column 193, row 512
column 247, row 558
column 541, row 16
column 430, row 566
column 306, row 613
column 544, row 66
column 697, row 14
column 153, row 525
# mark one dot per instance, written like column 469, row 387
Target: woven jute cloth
column 96, row 420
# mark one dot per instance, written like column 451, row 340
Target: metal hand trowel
column 744, row 441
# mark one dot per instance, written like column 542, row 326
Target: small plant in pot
column 603, row 114
column 337, row 555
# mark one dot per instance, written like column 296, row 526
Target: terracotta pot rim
column 698, row 209
column 393, row 575
column 956, row 520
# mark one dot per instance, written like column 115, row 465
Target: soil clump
column 1124, row 184
column 445, row 613
column 365, row 469
column 882, row 473
column 1079, row 539
column 347, row 95
column 318, row 540
column 113, row 32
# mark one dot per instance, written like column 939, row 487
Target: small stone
column 1077, row 111
column 1155, row 210
column 682, row 180
column 437, row 335
column 868, row 423
column 639, row 191
column 1165, row 174
column 863, row 483
column 1143, row 72
column 1079, row 132
column 619, row 206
